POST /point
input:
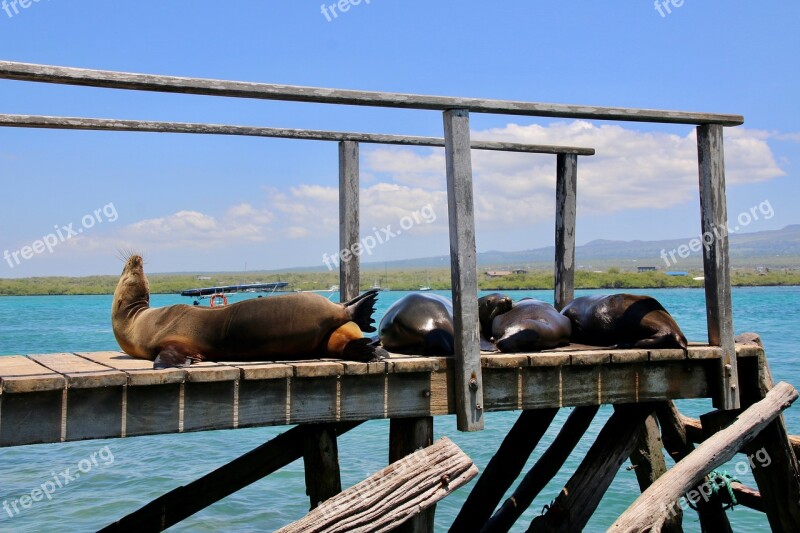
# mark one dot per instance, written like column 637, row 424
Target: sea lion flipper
column 487, row 345
column 175, row 355
column 362, row 350
column 361, row 309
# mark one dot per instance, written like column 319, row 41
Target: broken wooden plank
column 652, row 507
column 394, row 494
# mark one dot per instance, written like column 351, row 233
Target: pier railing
column 457, row 143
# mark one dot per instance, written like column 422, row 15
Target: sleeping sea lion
column 530, row 325
column 418, row 324
column 291, row 327
column 489, row 307
column 624, row 321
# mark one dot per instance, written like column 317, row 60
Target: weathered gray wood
column 543, row 471
column 181, row 503
column 576, row 503
column 406, row 436
column 716, row 264
column 464, row 271
column 566, row 209
column 321, row 461
column 238, row 89
column 503, row 468
column 349, row 221
column 393, row 495
column 673, row 433
column 105, row 124
column 651, row 508
column 647, row 461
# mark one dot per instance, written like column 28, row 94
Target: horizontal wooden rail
column 265, row 91
column 106, row 124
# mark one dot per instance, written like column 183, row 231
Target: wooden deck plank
column 81, row 373
column 140, row 371
column 20, row 374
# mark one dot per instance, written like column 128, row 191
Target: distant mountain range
column 768, row 248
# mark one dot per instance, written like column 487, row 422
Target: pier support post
column 716, row 263
column 349, row 219
column 566, row 212
column 464, row 271
column 406, row 436
column 503, row 468
column 321, row 461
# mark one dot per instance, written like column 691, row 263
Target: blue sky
column 193, row 203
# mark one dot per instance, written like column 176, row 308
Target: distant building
column 676, row 273
column 646, row 269
column 520, row 271
column 203, row 278
column 498, row 273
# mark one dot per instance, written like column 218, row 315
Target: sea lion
column 489, row 307
column 418, row 324
column 529, row 326
column 624, row 321
column 291, row 327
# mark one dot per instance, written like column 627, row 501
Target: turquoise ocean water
column 128, row 473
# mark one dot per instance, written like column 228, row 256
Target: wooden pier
column 76, row 396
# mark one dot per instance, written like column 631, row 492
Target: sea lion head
column 491, row 306
column 133, row 289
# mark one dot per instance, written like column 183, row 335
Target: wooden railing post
column 348, row 219
column 716, row 264
column 566, row 209
column 464, row 275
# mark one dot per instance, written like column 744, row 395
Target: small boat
column 218, row 296
column 425, row 288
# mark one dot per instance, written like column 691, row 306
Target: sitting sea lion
column 489, row 307
column 624, row 321
column 291, row 327
column 419, row 324
column 529, row 326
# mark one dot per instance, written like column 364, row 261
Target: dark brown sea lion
column 530, row 325
column 489, row 307
column 624, row 321
column 291, row 327
column 418, row 324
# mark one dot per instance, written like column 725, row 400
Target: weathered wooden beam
column 652, row 507
column 566, row 215
column 321, row 462
column 349, row 221
column 406, row 436
column 503, row 468
column 239, row 89
column 107, row 124
column 647, row 461
column 576, row 503
column 181, row 503
column 716, row 263
column 393, row 495
column 543, row 471
column 673, row 433
column 464, row 271
column 696, row 434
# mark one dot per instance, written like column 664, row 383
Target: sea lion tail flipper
column 487, row 345
column 175, row 355
column 362, row 350
column 361, row 309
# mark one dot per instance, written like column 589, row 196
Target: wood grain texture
column 394, row 494
column 349, row 221
column 239, row 89
column 566, row 216
column 147, row 126
column 649, row 509
column 464, row 271
column 716, row 262
column 406, row 436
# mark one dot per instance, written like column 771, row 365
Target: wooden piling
column 349, row 220
column 406, row 436
column 321, row 461
column 504, row 467
column 566, row 214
